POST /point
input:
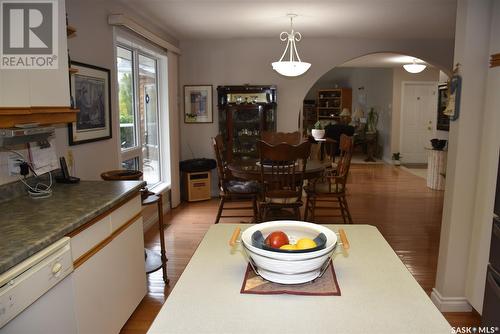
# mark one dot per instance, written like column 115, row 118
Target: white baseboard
column 450, row 304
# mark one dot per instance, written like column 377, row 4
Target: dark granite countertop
column 28, row 225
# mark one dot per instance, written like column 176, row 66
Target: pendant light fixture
column 291, row 66
column 414, row 67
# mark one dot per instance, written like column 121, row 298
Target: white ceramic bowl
column 289, row 268
column 318, row 134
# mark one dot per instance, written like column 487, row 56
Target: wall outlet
column 13, row 162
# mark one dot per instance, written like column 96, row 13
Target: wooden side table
column 153, row 261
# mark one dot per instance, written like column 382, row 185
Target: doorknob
column 429, row 128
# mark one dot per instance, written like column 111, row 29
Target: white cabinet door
column 51, row 87
column 39, row 87
column 110, row 285
column 14, row 88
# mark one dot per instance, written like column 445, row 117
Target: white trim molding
column 450, row 304
column 127, row 22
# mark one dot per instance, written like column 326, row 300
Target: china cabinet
column 244, row 112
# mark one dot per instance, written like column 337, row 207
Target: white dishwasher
column 36, row 296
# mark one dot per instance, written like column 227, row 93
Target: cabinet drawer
column 125, row 212
column 90, row 237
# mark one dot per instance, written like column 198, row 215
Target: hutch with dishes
column 244, row 112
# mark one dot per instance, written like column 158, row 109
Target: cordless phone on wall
column 64, row 177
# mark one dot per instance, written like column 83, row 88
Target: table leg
column 162, row 239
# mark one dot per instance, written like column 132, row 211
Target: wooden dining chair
column 232, row 190
column 274, row 138
column 282, row 174
column 328, row 194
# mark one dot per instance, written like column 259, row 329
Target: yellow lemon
column 288, row 247
column 305, row 243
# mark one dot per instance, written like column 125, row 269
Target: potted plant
column 318, row 132
column 372, row 121
column 396, row 159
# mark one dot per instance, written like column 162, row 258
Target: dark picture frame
column 443, row 121
column 91, row 94
column 198, row 104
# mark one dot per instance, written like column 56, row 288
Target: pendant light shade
column 414, row 67
column 292, row 66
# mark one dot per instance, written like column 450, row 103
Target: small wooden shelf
column 43, row 115
column 70, row 31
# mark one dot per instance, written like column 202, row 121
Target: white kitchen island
column 379, row 295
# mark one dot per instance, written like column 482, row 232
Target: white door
column 418, row 120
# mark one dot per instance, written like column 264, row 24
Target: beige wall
column 472, row 162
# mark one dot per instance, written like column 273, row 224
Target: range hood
column 16, row 136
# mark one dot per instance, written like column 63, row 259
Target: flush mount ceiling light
column 414, row 67
column 292, row 66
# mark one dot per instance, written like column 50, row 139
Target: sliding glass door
column 139, row 112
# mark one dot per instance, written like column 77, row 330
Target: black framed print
column 91, row 93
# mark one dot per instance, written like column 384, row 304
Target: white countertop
column 379, row 295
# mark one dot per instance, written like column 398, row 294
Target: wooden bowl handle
column 343, row 237
column 235, row 235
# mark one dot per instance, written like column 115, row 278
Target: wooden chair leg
column 313, row 209
column 342, row 210
column 256, row 217
column 349, row 218
column 306, row 208
column 221, row 206
column 297, row 213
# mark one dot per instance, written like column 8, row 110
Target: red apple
column 277, row 239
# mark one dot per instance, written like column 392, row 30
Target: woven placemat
column 326, row 285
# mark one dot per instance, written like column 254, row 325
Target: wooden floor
column 398, row 203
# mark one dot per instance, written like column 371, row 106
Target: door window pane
column 148, row 109
column 131, row 164
column 126, row 98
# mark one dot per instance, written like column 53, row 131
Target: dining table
column 378, row 293
column 251, row 170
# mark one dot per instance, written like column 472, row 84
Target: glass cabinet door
column 246, row 131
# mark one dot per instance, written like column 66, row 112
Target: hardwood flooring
column 399, row 204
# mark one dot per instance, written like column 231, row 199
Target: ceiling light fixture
column 293, row 66
column 414, row 67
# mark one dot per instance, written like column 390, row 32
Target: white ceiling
column 197, row 19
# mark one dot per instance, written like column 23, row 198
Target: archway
column 378, row 82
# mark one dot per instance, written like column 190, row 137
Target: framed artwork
column 198, row 104
column 443, row 121
column 452, row 109
column 90, row 91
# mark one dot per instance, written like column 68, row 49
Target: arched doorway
column 405, row 104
